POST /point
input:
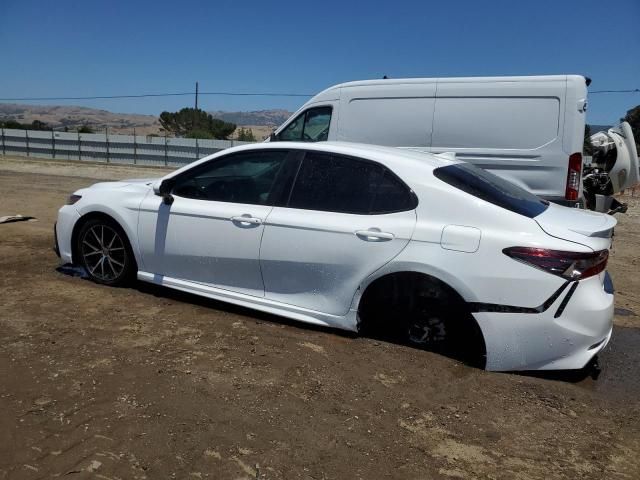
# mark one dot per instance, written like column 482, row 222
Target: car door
column 211, row 232
column 344, row 219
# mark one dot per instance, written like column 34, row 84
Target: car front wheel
column 104, row 251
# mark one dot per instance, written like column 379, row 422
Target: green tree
column 633, row 117
column 12, row 124
column 85, row 129
column 193, row 123
column 39, row 125
column 246, row 135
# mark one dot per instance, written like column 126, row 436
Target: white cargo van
column 529, row 130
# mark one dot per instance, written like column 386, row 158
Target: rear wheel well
column 91, row 216
column 397, row 304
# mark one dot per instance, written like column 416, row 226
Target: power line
column 228, row 94
column 144, row 95
column 635, row 90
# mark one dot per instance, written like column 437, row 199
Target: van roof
column 331, row 93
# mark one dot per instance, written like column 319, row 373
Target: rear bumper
column 554, row 339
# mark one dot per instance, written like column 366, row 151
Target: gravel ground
column 136, row 383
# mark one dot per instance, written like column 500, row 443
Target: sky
column 88, row 48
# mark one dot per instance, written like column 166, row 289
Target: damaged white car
column 363, row 238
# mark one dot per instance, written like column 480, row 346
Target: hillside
column 72, row 117
column 266, row 118
column 261, row 122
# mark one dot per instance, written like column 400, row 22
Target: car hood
column 133, row 182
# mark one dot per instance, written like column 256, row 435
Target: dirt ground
column 108, row 383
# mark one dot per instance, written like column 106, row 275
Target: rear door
column 344, row 219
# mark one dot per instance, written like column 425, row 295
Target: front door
column 211, row 232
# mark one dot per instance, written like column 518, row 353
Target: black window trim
column 385, row 170
column 304, row 123
column 290, row 156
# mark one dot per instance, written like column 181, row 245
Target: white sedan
column 432, row 250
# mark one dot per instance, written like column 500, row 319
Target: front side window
column 333, row 183
column 238, row 178
column 310, row 126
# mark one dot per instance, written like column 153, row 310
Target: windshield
column 492, row 188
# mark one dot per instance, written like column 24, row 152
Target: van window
column 491, row 188
column 392, row 122
column 310, row 126
column 495, row 122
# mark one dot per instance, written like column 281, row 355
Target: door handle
column 374, row 235
column 247, row 219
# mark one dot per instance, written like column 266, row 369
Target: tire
column 103, row 250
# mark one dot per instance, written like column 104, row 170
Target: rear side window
column 392, row 195
column 491, row 188
column 334, row 183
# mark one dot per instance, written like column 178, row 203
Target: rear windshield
column 491, row 188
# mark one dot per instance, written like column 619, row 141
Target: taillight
column 569, row 265
column 573, row 176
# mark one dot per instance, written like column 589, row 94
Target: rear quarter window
column 491, row 188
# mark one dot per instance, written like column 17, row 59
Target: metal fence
column 102, row 147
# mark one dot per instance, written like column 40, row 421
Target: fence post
column 3, row 149
column 197, row 150
column 106, row 136
column 79, row 146
column 53, row 143
column 135, row 147
column 166, row 153
column 26, row 136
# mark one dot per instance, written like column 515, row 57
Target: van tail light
column 573, row 176
column 569, row 265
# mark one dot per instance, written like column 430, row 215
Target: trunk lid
column 591, row 229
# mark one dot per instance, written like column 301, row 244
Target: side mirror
column 162, row 188
column 272, row 137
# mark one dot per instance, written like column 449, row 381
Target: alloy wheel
column 103, row 252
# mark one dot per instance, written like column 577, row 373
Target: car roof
column 392, row 157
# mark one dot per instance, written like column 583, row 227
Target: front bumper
column 55, row 240
column 546, row 340
column 67, row 218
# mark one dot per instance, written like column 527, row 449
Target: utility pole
column 135, row 146
column 195, row 113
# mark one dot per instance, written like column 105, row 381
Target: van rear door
column 618, row 149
